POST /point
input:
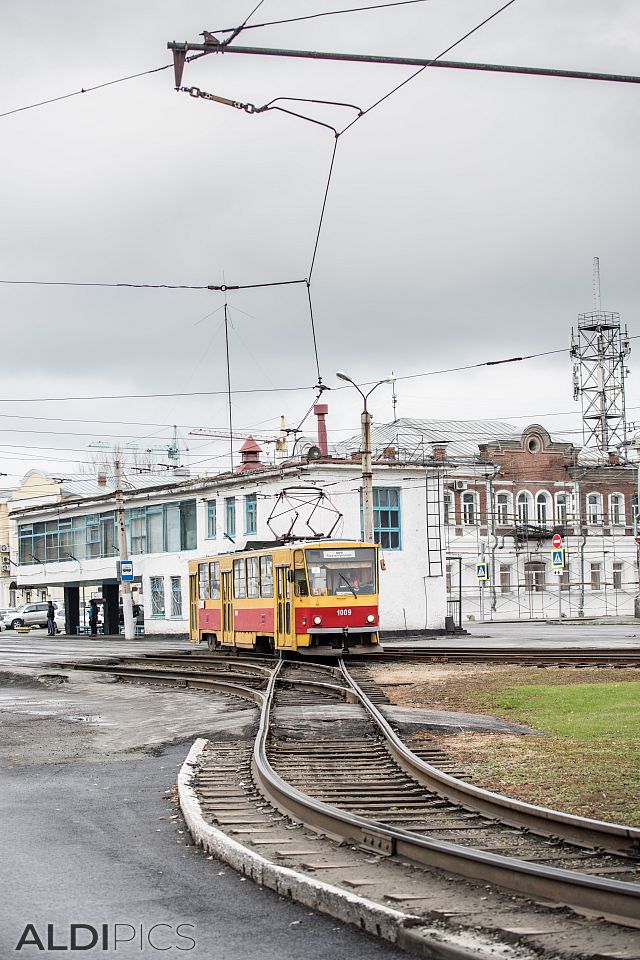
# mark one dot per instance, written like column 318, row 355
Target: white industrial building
column 67, row 538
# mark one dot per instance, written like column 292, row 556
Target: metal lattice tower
column 599, row 350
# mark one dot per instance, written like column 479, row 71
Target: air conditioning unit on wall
column 459, row 484
column 4, row 548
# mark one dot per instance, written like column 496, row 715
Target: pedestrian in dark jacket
column 93, row 617
column 51, row 619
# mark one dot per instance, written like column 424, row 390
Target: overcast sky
column 461, row 222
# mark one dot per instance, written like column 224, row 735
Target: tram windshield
column 341, row 572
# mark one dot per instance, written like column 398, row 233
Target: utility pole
column 125, row 587
column 394, row 399
column 367, row 475
column 226, row 341
column 367, row 472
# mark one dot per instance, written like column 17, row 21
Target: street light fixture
column 367, row 473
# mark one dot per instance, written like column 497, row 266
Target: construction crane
column 171, row 450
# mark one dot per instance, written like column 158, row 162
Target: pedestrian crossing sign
column 481, row 571
column 557, row 559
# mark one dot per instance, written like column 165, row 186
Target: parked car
column 60, row 619
column 6, row 613
column 28, row 615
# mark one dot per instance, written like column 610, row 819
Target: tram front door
column 226, row 586
column 283, row 600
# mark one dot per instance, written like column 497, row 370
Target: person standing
column 51, row 619
column 93, row 617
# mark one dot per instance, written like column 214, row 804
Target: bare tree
column 104, row 460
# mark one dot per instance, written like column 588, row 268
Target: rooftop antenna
column 599, row 350
column 597, row 301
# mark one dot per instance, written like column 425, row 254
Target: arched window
column 503, row 509
column 543, row 508
column 448, row 508
column 594, row 508
column 469, row 509
column 524, row 507
column 616, row 509
column 562, row 508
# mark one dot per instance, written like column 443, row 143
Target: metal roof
column 414, row 439
column 83, row 485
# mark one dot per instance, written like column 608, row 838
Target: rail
column 530, row 879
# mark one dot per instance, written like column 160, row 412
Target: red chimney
column 250, row 456
column 439, row 451
column 321, row 410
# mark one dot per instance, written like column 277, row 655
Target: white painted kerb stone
column 342, row 904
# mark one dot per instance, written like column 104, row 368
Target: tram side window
column 302, row 589
column 239, row 579
column 266, row 576
column 214, row 585
column 203, row 580
column 252, row 577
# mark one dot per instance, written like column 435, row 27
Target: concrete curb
column 402, row 929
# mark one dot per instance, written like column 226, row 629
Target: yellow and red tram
column 311, row 597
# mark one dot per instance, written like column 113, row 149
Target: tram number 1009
column 345, row 612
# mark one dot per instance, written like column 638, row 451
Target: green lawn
column 582, row 712
column 586, row 756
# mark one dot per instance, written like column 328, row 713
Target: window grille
column 176, row 597
column 157, row 596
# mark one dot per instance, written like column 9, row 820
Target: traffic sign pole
column 557, row 543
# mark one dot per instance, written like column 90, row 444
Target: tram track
column 382, row 797
column 370, row 790
column 616, row 659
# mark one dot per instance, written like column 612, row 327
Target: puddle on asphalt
column 81, row 718
column 48, row 708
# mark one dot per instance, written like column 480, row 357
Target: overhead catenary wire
column 316, row 16
column 77, row 93
column 288, row 389
column 221, row 288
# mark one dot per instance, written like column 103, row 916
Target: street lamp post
column 367, row 473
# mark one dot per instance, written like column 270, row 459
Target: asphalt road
column 93, row 843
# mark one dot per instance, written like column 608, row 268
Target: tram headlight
column 371, row 618
column 317, row 621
